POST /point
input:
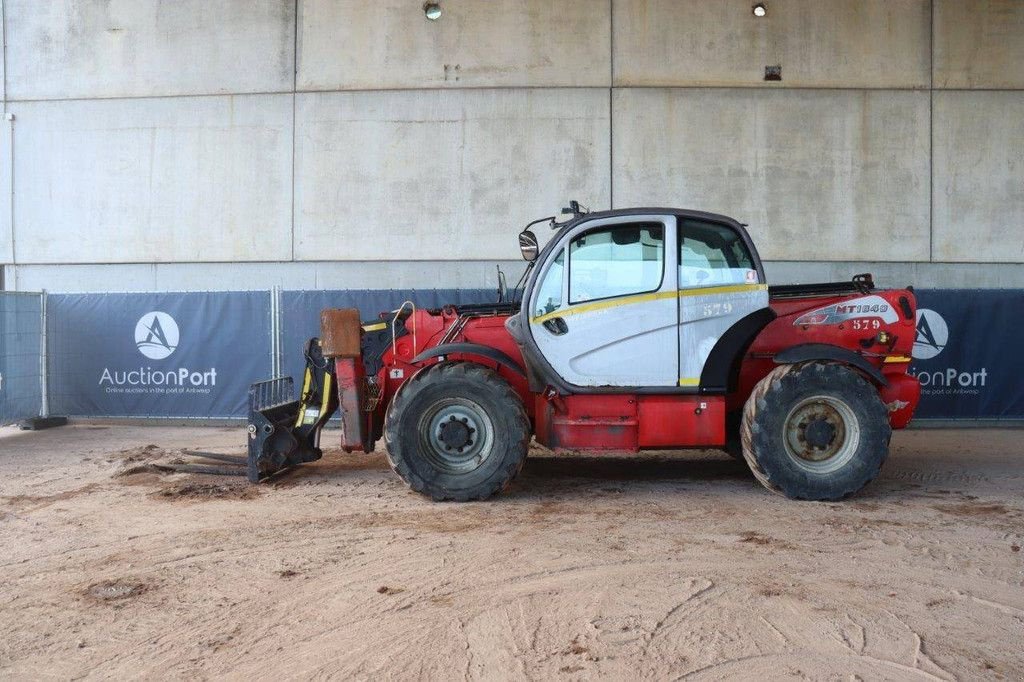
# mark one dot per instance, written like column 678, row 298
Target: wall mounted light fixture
column 432, row 11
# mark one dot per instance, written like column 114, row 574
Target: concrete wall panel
column 819, row 175
column 386, row 44
column 151, row 180
column 979, row 176
column 6, row 235
column 839, row 43
column 245, row 276
column 3, row 62
column 75, row 48
column 897, row 275
column 979, row 44
column 441, row 175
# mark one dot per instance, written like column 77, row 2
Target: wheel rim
column 821, row 434
column 456, row 435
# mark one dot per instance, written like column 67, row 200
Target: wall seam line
column 295, row 82
column 611, row 107
column 3, row 18
column 4, row 285
column 931, row 133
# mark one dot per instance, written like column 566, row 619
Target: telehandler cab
column 645, row 328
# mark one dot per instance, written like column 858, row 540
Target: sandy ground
column 669, row 566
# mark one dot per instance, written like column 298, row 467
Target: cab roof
column 652, row 210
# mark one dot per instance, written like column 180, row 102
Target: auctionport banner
column 969, row 354
column 156, row 355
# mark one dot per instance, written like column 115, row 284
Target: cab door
column 605, row 311
column 719, row 284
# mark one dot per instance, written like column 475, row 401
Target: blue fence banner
column 21, row 329
column 189, row 355
column 969, row 354
column 193, row 355
column 300, row 312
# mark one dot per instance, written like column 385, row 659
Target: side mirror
column 528, row 245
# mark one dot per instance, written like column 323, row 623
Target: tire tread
column 768, row 392
column 441, row 372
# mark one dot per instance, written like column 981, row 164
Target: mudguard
column 824, row 351
column 470, row 349
column 722, row 367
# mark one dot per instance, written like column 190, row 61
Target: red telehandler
column 646, row 328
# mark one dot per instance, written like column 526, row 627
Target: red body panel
column 630, row 421
column 348, row 372
column 857, row 335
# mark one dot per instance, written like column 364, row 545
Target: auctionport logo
column 156, row 335
column 932, row 334
column 932, row 337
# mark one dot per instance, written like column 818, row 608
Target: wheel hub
column 456, row 433
column 821, row 433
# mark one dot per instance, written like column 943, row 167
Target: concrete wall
column 818, row 44
column 6, row 195
column 979, row 44
column 153, row 180
column 387, row 44
column 86, row 49
column 337, row 143
column 748, row 153
column 480, row 157
column 978, row 207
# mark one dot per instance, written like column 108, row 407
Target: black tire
column 815, row 431
column 437, row 457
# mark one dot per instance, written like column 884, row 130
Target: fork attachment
column 283, row 431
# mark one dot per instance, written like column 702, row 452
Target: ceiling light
column 432, row 10
column 760, row 10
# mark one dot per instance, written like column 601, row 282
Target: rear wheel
column 815, row 431
column 456, row 431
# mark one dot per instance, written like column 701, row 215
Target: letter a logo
column 932, row 334
column 156, row 335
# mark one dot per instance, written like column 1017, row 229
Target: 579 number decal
column 716, row 309
column 866, row 324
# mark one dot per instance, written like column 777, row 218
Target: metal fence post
column 275, row 331
column 44, row 365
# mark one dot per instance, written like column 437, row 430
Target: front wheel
column 456, row 431
column 815, row 431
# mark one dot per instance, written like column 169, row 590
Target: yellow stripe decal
column 307, row 377
column 897, row 358
column 375, row 327
column 643, row 298
column 327, row 393
column 689, row 381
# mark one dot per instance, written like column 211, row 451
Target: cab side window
column 712, row 255
column 617, row 260
column 549, row 295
